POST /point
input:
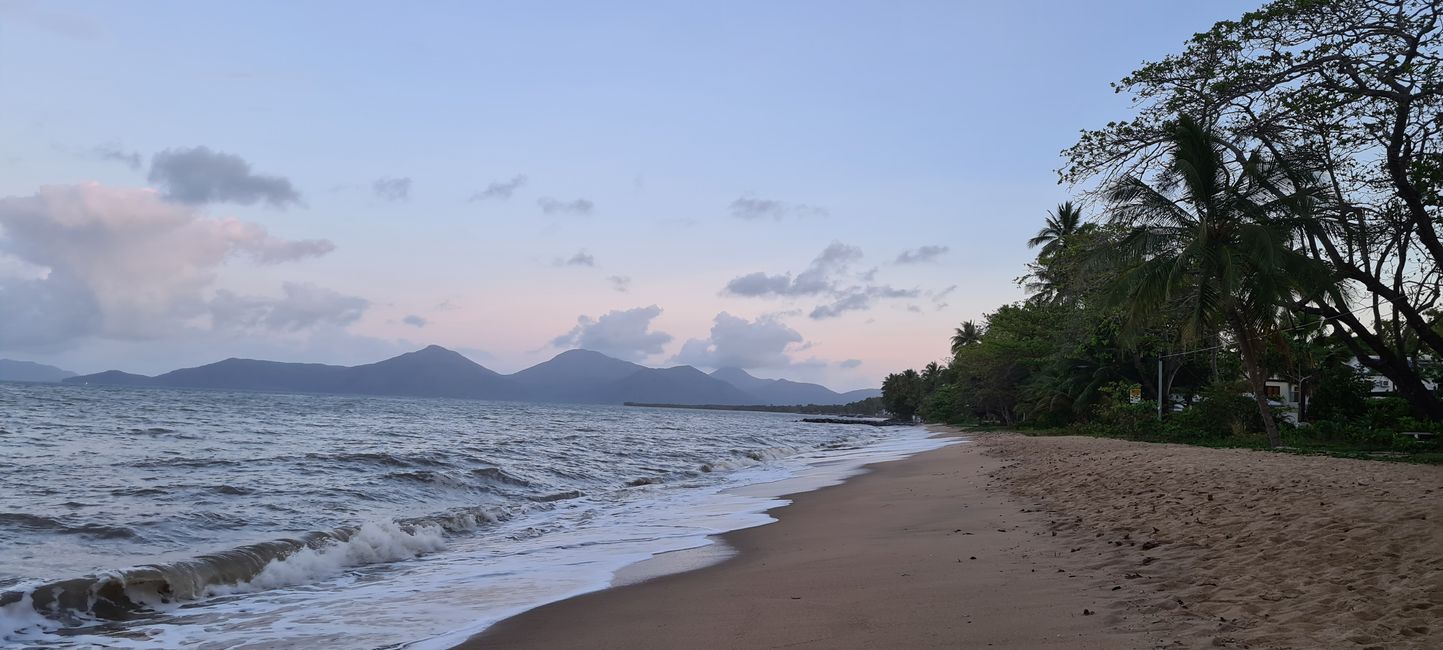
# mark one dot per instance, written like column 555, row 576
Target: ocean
column 174, row 518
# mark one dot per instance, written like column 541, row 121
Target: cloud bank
column 123, row 263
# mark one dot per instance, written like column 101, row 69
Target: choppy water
column 159, row 518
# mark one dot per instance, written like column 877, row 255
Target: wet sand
column 1058, row 542
column 917, row 553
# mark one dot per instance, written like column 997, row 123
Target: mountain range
column 576, row 376
column 11, row 370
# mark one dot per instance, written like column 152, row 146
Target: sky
column 819, row 191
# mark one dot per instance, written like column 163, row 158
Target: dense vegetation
column 1270, row 211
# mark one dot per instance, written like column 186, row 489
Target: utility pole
column 1159, row 387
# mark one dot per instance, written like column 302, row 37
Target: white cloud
column 118, row 263
column 624, row 334
column 737, row 342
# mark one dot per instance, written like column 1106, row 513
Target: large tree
column 1214, row 239
column 1353, row 89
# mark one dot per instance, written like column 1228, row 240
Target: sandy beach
column 1018, row 542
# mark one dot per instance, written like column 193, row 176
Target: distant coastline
column 871, row 407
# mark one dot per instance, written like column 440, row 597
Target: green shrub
column 1118, row 414
column 944, row 405
column 1339, row 393
column 1387, row 413
column 1222, row 410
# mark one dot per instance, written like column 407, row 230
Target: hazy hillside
column 11, row 370
column 430, row 372
column 575, row 376
column 679, row 385
column 783, row 392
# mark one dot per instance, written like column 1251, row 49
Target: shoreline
column 1078, row 543
column 890, row 557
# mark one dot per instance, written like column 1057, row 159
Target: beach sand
column 1017, row 542
column 1249, row 549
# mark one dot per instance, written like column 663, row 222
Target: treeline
column 870, row 407
column 1270, row 212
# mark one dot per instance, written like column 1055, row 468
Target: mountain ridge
column 14, row 370
column 577, row 376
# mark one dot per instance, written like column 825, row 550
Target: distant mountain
column 112, row 378
column 679, row 385
column 430, row 372
column 580, row 376
column 253, row 374
column 783, row 392
column 860, row 394
column 573, row 376
column 11, row 370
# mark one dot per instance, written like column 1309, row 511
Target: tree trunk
column 1303, row 400
column 1374, row 353
column 1259, row 381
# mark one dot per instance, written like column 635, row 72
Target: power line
column 1290, row 329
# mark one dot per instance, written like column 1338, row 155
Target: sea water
column 174, row 518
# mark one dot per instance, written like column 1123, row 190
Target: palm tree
column 1053, row 277
column 931, row 374
column 966, row 335
column 1212, row 239
column 1061, row 226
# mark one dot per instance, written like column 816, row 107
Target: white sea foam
column 421, row 586
column 374, row 542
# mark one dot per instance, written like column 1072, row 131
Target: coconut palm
column 1060, row 227
column 966, row 335
column 931, row 375
column 1212, row 239
column 1054, row 276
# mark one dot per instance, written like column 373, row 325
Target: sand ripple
column 1249, row 549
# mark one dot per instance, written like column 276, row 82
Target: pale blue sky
column 885, row 126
